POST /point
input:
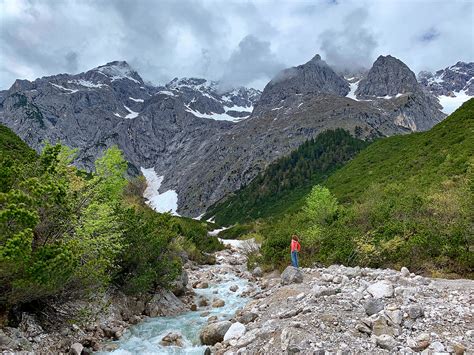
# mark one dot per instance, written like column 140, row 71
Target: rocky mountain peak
column 450, row 81
column 314, row 77
column 118, row 70
column 388, row 76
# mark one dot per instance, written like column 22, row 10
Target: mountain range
column 197, row 141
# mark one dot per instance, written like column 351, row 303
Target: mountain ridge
column 204, row 142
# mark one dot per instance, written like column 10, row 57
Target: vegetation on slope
column 285, row 182
column 65, row 233
column 405, row 200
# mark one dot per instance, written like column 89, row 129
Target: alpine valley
column 196, row 141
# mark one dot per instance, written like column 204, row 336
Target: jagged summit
column 118, row 70
column 388, row 76
column 314, row 77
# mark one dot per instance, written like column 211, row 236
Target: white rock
column 235, row 331
column 405, row 272
column 76, row 349
column 436, row 346
column 381, row 289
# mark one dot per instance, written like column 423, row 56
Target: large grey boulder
column 179, row 285
column 291, row 275
column 164, row 303
column 214, row 332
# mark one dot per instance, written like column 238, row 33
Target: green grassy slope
column 403, row 201
column 419, row 160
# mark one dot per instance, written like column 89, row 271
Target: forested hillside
column 285, row 182
column 405, row 200
column 64, row 232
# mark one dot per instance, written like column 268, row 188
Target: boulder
column 257, row 272
column 381, row 289
column 291, row 275
column 415, row 311
column 218, row 303
column 214, row 333
column 246, row 317
column 179, row 286
column 405, row 272
column 233, row 288
column 202, row 284
column 172, row 339
column 164, row 303
column 373, row 306
column 235, row 331
column 76, row 349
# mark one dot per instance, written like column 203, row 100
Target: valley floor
column 334, row 310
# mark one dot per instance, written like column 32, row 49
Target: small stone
column 459, row 349
column 172, row 339
column 193, row 307
column 218, row 303
column 437, row 346
column 386, row 342
column 257, row 272
column 415, row 311
column 363, row 328
column 205, row 314
column 396, row 316
column 202, row 285
column 405, row 272
column 203, row 302
column 76, row 349
column 233, row 288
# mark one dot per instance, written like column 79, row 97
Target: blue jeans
column 294, row 258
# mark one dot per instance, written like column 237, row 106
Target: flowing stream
column 144, row 338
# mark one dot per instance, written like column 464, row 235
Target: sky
column 236, row 42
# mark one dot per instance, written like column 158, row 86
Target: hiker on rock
column 295, row 248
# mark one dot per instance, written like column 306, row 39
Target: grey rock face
column 315, row 77
column 171, row 129
column 388, row 76
column 391, row 86
column 458, row 77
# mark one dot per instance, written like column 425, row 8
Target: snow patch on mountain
column 117, row 71
column 132, row 113
column 160, row 202
column 353, row 87
column 451, row 103
column 86, row 83
column 70, row 91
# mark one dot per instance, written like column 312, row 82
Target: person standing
column 295, row 248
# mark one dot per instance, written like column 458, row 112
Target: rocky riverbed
column 344, row 310
column 225, row 309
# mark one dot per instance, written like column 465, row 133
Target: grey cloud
column 210, row 38
column 252, row 60
column 351, row 47
column 430, row 35
column 71, row 61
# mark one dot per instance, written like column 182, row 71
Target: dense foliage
column 405, row 200
column 283, row 184
column 63, row 232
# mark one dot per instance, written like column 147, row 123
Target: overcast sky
column 239, row 42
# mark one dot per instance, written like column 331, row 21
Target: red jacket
column 295, row 246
